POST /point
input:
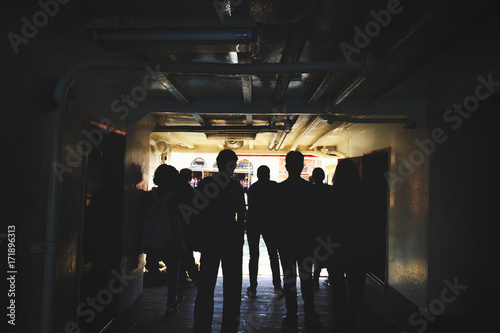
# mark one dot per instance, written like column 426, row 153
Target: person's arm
column 240, row 206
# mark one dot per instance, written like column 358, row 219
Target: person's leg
column 272, row 251
column 152, row 277
column 191, row 268
column 232, row 261
column 316, row 274
column 204, row 303
column 253, row 238
column 306, row 285
column 355, row 301
column 289, row 266
column 339, row 301
column 172, row 261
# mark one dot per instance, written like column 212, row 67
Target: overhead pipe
column 273, row 141
column 342, row 97
column 279, row 142
column 309, row 127
column 332, row 118
column 61, row 89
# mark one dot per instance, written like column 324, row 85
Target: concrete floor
column 260, row 314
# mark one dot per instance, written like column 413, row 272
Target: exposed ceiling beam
column 291, row 54
column 322, row 88
column 246, row 87
column 170, row 83
column 218, row 129
column 342, row 97
column 249, row 119
column 414, row 109
column 224, row 107
column 200, row 119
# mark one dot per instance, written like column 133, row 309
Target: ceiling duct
column 140, row 33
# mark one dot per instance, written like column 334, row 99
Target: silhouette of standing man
column 222, row 234
column 257, row 224
column 295, row 235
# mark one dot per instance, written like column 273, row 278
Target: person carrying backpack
column 162, row 235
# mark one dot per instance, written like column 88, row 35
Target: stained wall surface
column 407, row 230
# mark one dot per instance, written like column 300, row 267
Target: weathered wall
column 407, row 231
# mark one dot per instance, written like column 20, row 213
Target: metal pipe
column 353, row 120
column 306, row 131
column 215, row 68
column 52, row 214
column 272, row 142
column 54, row 183
column 281, row 140
column 349, row 90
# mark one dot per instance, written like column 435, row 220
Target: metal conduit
column 62, row 87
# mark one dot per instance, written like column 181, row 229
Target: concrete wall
column 463, row 198
column 407, row 231
column 27, row 84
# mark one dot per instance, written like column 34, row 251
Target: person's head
column 226, row 161
column 185, row 175
column 347, row 177
column 165, row 176
column 263, row 172
column 318, row 175
column 294, row 163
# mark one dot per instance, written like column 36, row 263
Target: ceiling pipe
column 315, row 121
column 281, row 140
column 331, row 119
column 342, row 97
column 60, row 92
column 272, row 142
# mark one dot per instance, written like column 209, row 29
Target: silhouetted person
column 258, row 201
column 166, row 178
column 293, row 226
column 188, row 263
column 351, row 228
column 222, row 235
column 322, row 200
column 136, row 207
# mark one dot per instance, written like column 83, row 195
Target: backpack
column 157, row 230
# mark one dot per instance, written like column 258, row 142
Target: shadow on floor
column 258, row 314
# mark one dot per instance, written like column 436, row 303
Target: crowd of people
column 293, row 217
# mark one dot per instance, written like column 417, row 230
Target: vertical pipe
column 53, row 200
